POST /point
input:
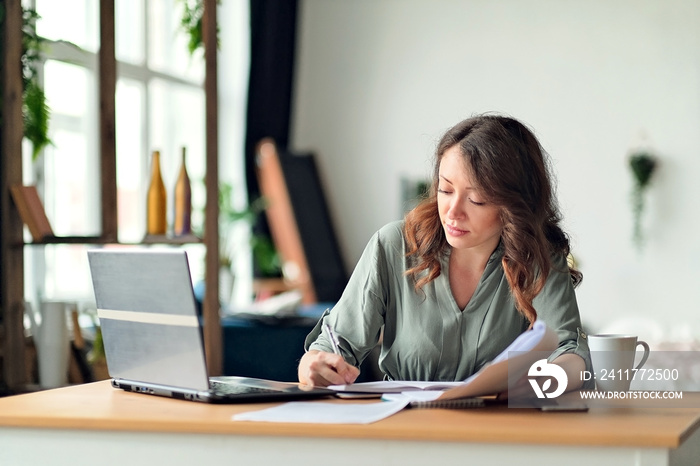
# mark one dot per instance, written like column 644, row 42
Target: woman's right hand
column 320, row 369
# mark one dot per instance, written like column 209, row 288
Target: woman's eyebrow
column 468, row 188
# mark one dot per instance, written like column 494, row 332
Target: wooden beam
column 11, row 252
column 212, row 323
column 108, row 146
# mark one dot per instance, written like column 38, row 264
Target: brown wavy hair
column 510, row 170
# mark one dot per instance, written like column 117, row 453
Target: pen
column 334, row 340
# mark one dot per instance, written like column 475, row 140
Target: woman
column 467, row 271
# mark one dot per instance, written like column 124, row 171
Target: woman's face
column 468, row 221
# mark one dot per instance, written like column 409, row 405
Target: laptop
column 153, row 336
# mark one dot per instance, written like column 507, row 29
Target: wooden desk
column 95, row 424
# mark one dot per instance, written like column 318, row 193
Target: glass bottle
column 182, row 224
column 156, row 223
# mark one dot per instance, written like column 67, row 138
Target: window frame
column 36, row 172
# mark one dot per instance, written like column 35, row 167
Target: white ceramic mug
column 613, row 360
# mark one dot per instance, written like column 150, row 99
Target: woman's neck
column 466, row 268
column 472, row 260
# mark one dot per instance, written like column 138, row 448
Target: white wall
column 378, row 81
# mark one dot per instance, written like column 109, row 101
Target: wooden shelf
column 66, row 240
column 167, row 239
column 147, row 240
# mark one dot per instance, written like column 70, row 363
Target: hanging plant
column 192, row 23
column 643, row 164
column 35, row 111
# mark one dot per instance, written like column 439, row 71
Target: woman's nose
column 455, row 210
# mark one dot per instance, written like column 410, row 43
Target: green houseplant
column 265, row 258
column 35, row 110
column 643, row 164
column 191, row 22
column 265, row 255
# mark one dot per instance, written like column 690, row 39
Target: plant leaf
column 36, row 116
column 643, row 165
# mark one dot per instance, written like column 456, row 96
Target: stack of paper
column 490, row 380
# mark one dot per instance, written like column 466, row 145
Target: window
column 160, row 105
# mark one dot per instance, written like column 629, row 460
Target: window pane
column 131, row 181
column 65, row 88
column 67, row 273
column 176, row 120
column 129, row 31
column 152, row 112
column 74, row 21
column 71, row 163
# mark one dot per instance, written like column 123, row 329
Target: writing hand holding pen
column 322, row 369
column 333, row 338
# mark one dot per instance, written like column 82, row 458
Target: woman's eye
column 476, row 203
column 443, row 191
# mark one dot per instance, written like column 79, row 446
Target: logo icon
column 541, row 369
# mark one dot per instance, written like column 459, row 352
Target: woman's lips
column 454, row 231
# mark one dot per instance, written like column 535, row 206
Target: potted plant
column 265, row 257
column 643, row 164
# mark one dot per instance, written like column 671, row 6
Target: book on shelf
column 32, row 212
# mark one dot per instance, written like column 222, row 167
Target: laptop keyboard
column 229, row 389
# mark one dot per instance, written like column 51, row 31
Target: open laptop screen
column 148, row 316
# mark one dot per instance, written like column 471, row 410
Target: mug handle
column 646, row 353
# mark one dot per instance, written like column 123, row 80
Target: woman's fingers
column 322, row 369
column 347, row 371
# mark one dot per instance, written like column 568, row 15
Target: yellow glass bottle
column 182, row 224
column 156, row 222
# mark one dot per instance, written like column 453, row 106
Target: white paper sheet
column 491, row 379
column 317, row 412
column 526, row 341
column 414, row 395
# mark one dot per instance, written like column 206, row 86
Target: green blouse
column 425, row 335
